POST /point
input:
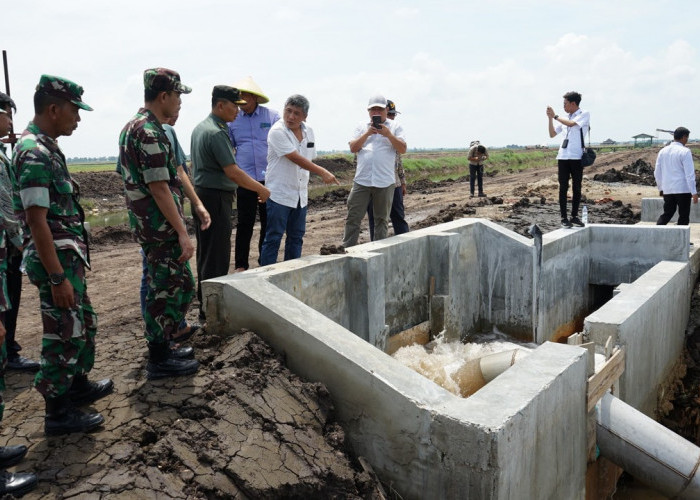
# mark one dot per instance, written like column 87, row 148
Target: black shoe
column 64, row 418
column 17, row 484
column 471, row 195
column 565, row 223
column 162, row 363
column 84, row 391
column 577, row 222
column 181, row 352
column 11, row 455
column 171, row 367
column 482, row 195
column 21, row 363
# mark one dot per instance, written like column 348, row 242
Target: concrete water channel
column 541, row 428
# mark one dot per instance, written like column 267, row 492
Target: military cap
column 229, row 93
column 5, row 100
column 164, row 80
column 391, row 107
column 62, row 88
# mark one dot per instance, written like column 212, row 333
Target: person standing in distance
column 570, row 152
column 56, row 253
column 291, row 149
column 477, row 156
column 216, row 178
column 376, row 144
column 248, row 133
column 154, row 199
column 675, row 178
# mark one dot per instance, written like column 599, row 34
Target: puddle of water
column 440, row 360
column 106, row 219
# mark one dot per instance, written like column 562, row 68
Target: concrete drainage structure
column 527, row 433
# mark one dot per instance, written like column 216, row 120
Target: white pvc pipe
column 475, row 374
column 647, row 450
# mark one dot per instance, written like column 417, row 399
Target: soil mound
column 638, row 172
column 100, row 184
column 244, row 427
column 335, row 165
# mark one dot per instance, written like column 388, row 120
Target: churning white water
column 440, row 360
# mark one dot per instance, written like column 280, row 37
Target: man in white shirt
column 290, row 149
column 575, row 126
column 675, row 177
column 376, row 144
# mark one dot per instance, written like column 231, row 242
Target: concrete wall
column 563, row 283
column 652, row 208
column 506, row 441
column 648, row 319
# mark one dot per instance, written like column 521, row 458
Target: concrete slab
column 652, row 208
column 331, row 316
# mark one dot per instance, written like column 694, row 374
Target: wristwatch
column 57, row 278
column 556, row 117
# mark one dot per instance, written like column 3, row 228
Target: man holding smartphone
column 376, row 144
column 570, row 152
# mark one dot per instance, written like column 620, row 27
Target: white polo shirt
column 376, row 159
column 674, row 171
column 288, row 182
column 574, row 151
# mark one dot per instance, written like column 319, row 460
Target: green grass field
column 91, row 167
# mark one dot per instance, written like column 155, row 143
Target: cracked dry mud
column 244, row 426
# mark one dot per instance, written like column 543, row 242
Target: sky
column 458, row 70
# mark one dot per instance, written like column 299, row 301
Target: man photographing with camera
column 574, row 126
column 376, row 144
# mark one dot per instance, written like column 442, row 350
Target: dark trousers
column 213, row 244
column 476, row 172
column 247, row 205
column 397, row 214
column 566, row 169
column 14, row 289
column 671, row 201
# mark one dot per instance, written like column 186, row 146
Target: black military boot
column 16, row 484
column 10, row 455
column 83, row 391
column 177, row 352
column 162, row 363
column 63, row 418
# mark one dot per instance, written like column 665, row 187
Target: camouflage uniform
column 146, row 155
column 4, row 306
column 41, row 178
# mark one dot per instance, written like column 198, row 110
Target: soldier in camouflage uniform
column 15, row 484
column 14, row 253
column 56, row 254
column 154, row 198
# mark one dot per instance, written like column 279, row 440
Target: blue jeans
column 144, row 289
column 281, row 218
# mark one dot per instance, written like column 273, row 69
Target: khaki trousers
column 357, row 207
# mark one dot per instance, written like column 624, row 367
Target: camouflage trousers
column 4, row 296
column 68, row 342
column 170, row 291
column 4, row 306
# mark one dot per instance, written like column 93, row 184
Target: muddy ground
column 244, row 426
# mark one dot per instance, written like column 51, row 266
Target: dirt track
column 244, row 426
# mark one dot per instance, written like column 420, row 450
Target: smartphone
column 377, row 121
column 565, row 143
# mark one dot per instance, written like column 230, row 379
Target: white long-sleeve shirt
column 674, row 171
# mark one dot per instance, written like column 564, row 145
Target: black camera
column 565, row 143
column 377, row 121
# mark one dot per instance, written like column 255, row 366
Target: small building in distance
column 643, row 140
column 608, row 142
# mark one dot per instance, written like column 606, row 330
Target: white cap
column 377, row 101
